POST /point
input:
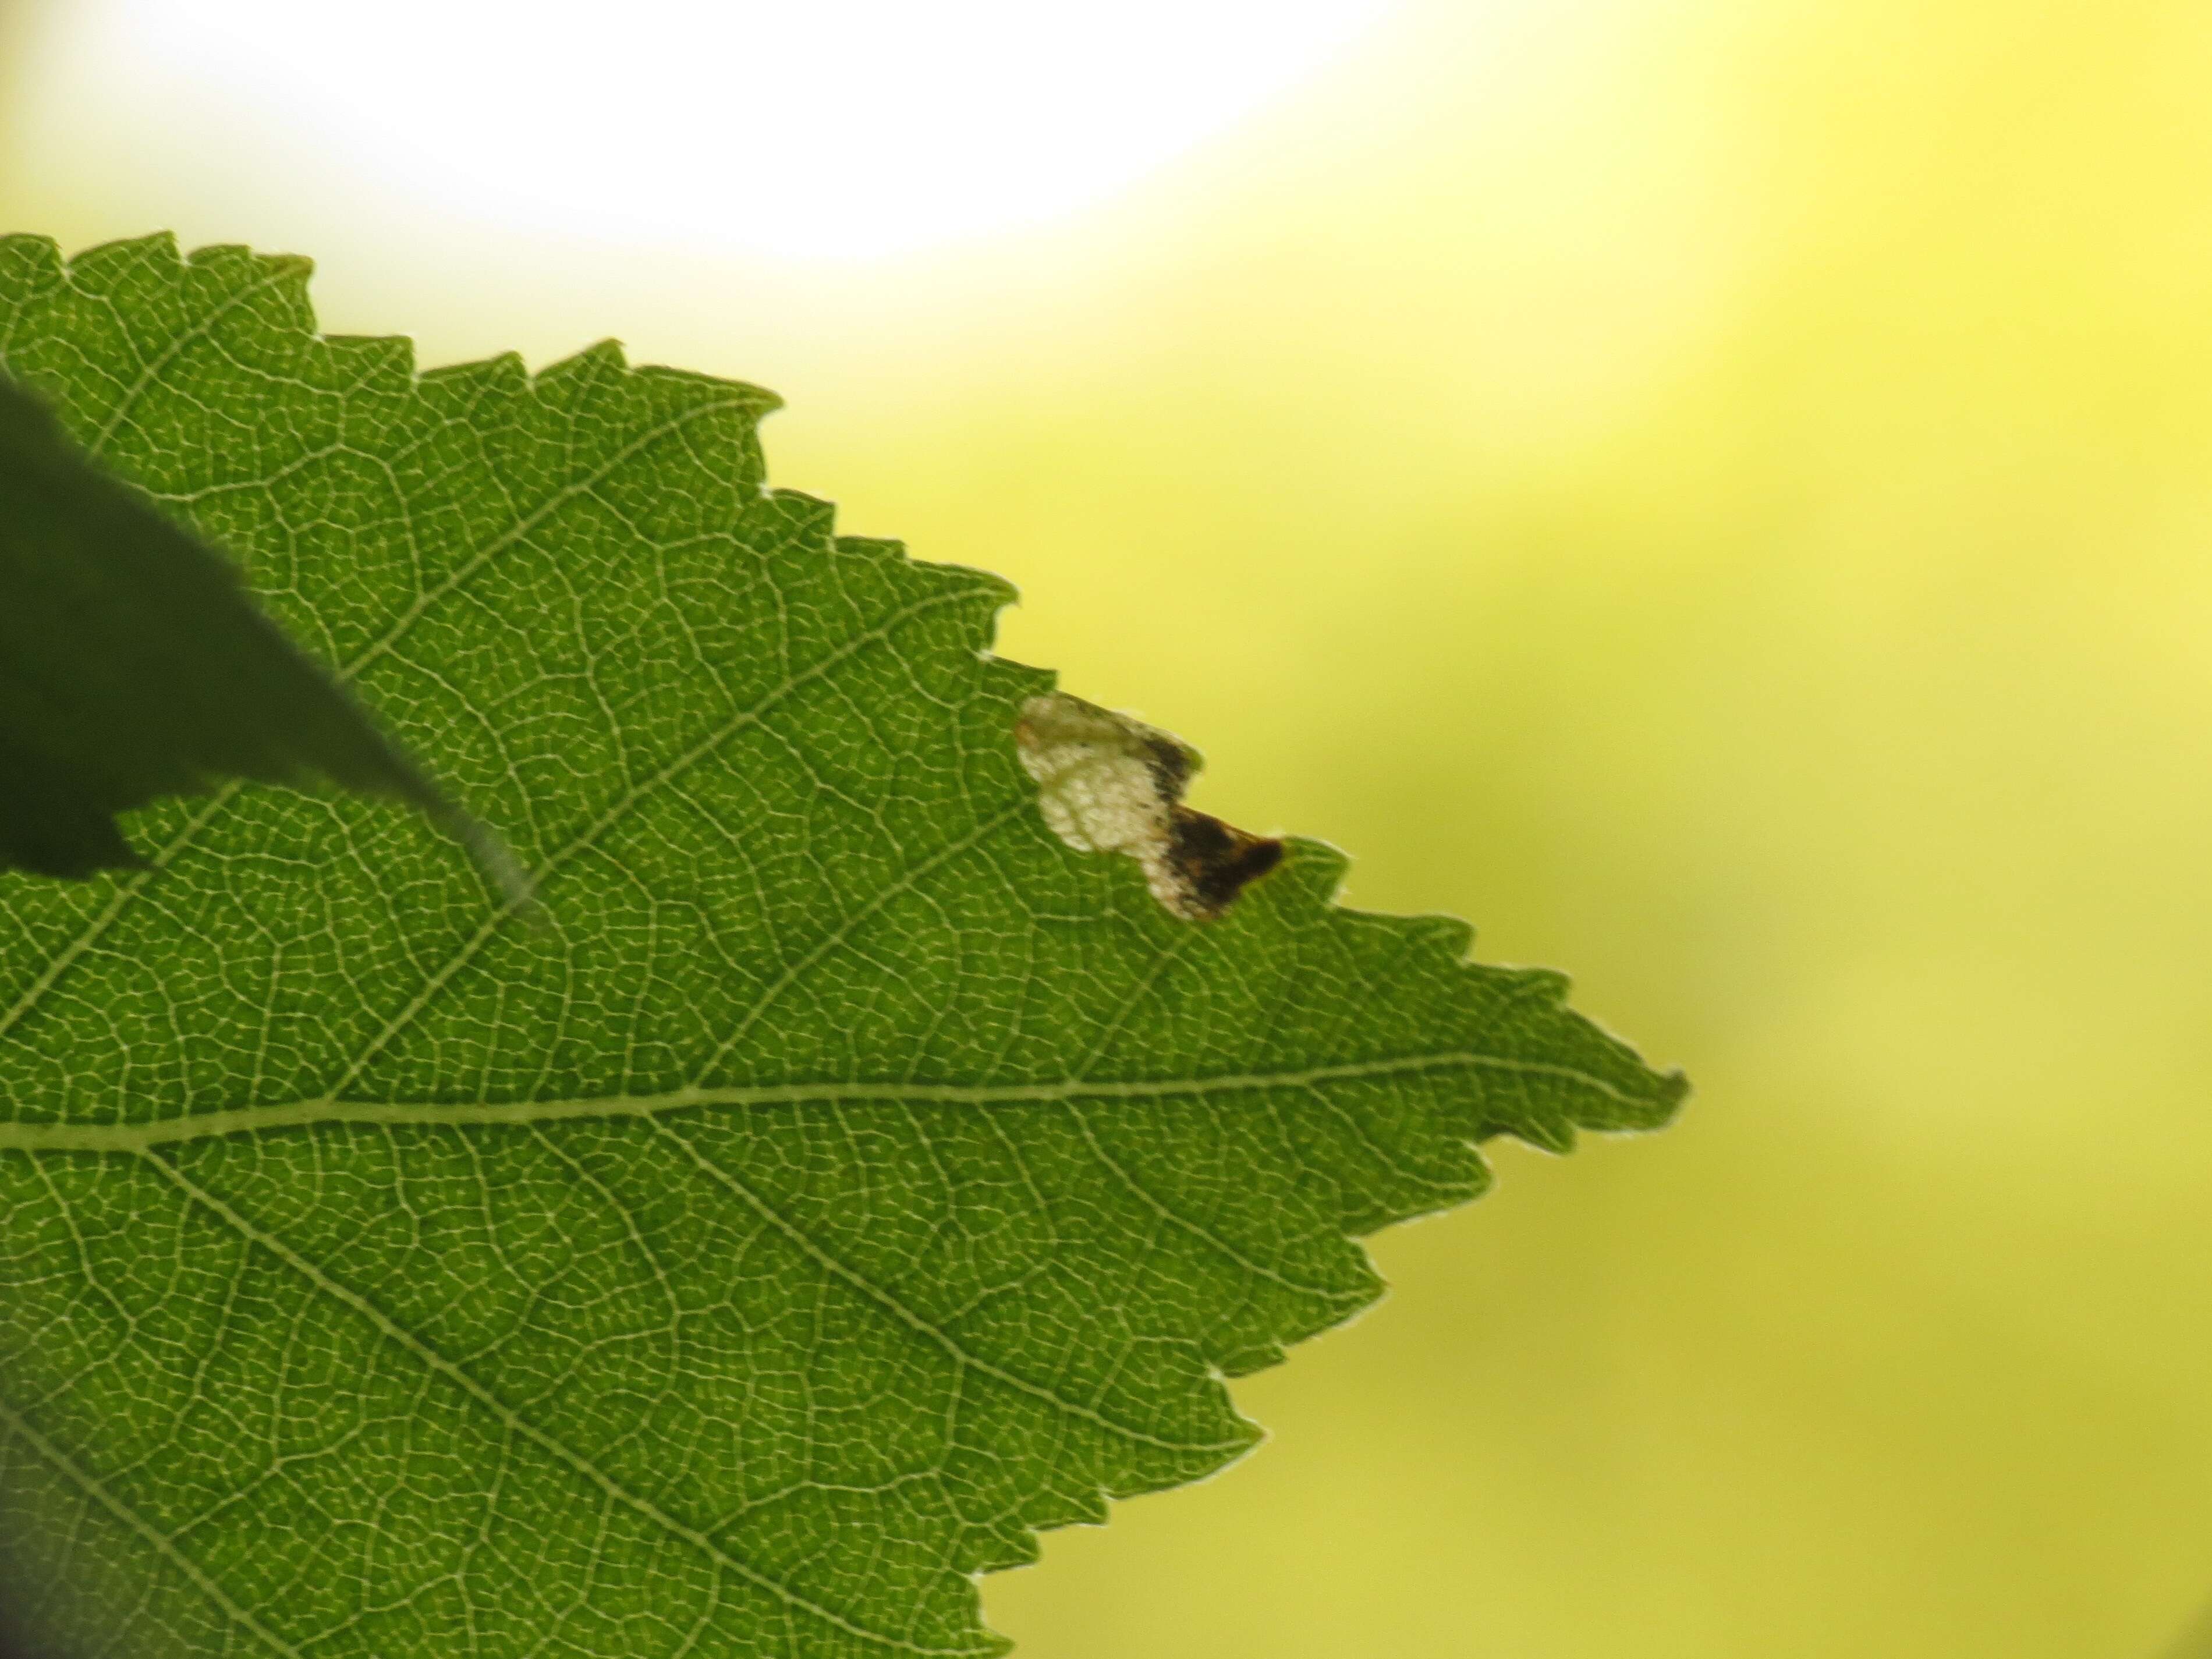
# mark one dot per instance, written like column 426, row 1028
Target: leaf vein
column 435, row 1362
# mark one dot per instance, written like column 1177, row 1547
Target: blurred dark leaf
column 133, row 665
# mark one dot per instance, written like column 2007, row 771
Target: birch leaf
column 845, row 1180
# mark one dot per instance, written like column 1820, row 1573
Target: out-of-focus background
column 1718, row 492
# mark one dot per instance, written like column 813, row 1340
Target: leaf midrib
column 148, row 1137
column 16, row 1135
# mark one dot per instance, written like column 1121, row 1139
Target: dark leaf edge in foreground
column 135, row 666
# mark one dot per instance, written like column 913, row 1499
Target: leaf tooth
column 758, row 399
column 32, row 263
column 158, row 247
column 381, row 363
column 809, row 516
column 504, row 377
column 235, row 259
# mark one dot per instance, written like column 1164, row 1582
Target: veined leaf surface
column 844, row 1180
column 132, row 665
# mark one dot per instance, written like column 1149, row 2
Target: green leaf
column 132, row 665
column 848, row 1179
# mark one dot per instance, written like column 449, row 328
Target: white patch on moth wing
column 1106, row 783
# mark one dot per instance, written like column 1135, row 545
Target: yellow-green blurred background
column 1719, row 492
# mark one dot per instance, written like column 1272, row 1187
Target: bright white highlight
column 804, row 127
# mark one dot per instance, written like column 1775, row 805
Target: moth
column 1109, row 783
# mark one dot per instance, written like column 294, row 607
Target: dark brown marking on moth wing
column 1170, row 764
column 1213, row 861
